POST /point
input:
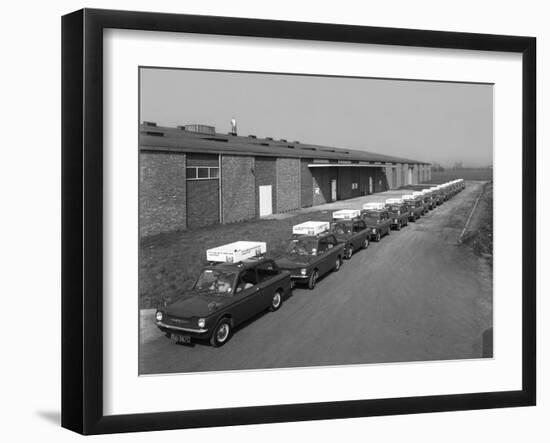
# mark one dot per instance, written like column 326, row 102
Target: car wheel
column 313, row 279
column 349, row 252
column 221, row 333
column 276, row 301
column 366, row 243
column 338, row 263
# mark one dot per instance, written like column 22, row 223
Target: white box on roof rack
column 311, row 228
column 394, row 201
column 346, row 214
column 375, row 206
column 235, row 252
column 408, row 197
column 417, row 194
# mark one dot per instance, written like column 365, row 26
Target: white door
column 266, row 206
column 333, row 190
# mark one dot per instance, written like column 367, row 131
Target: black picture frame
column 82, row 218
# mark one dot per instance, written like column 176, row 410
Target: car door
column 332, row 252
column 246, row 295
column 268, row 279
column 323, row 255
column 359, row 234
column 386, row 221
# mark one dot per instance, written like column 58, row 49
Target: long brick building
column 192, row 176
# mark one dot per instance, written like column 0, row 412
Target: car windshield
column 341, row 228
column 372, row 216
column 302, row 246
column 215, row 281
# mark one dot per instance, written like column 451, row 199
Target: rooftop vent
column 283, row 140
column 153, row 124
column 269, row 138
column 296, row 142
column 252, row 136
column 215, row 139
column 201, row 129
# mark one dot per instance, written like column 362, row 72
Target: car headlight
column 201, row 322
column 303, row 271
column 159, row 316
column 374, row 230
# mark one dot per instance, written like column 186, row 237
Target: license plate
column 180, row 338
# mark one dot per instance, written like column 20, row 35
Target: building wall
column 321, row 184
column 203, row 197
column 162, row 193
column 265, row 171
column 380, row 179
column 203, row 204
column 390, row 175
column 356, row 179
column 405, row 174
column 202, row 160
column 344, row 190
column 306, row 186
column 415, row 176
column 288, row 184
column 238, row 188
column 168, row 201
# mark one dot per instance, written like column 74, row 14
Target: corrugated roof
column 158, row 138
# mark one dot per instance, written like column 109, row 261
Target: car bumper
column 195, row 332
column 299, row 277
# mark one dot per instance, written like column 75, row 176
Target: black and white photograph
column 294, row 221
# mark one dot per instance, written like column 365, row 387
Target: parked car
column 436, row 196
column 398, row 213
column 377, row 220
column 352, row 233
column 429, row 199
column 224, row 296
column 415, row 206
column 309, row 257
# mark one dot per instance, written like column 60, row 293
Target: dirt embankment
column 479, row 234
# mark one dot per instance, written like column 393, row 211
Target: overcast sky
column 428, row 121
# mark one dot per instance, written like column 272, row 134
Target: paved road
column 415, row 296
